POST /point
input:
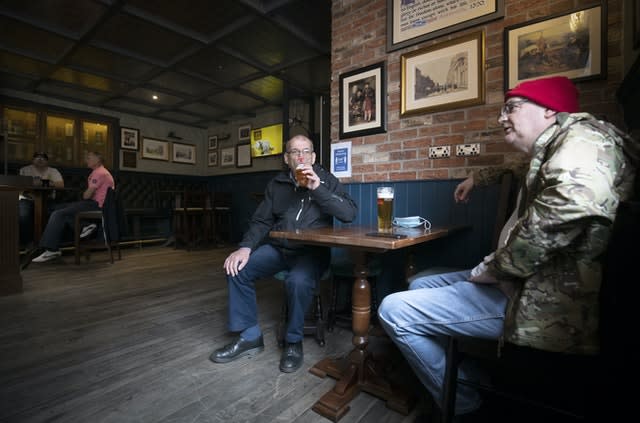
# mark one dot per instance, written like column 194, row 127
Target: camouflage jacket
column 580, row 170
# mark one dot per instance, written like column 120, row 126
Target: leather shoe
column 238, row 348
column 291, row 358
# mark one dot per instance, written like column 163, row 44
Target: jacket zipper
column 300, row 211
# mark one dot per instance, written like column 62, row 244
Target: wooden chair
column 110, row 220
column 314, row 323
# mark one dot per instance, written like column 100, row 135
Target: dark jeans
column 62, row 218
column 303, row 273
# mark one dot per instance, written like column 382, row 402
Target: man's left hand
column 313, row 180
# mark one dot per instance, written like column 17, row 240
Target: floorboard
column 130, row 342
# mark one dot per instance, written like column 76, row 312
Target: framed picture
column 244, row 133
column 416, row 21
column 212, row 158
column 129, row 138
column 267, row 141
column 184, row 153
column 243, row 155
column 445, row 76
column 570, row 44
column 129, row 159
column 213, row 142
column 155, row 149
column 363, row 101
column 228, row 156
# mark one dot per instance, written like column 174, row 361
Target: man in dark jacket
column 311, row 200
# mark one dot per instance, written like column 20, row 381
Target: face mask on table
column 412, row 222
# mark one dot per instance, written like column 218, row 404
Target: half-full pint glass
column 301, row 178
column 385, row 208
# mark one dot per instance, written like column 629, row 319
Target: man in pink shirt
column 99, row 181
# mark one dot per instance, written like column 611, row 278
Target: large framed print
column 155, row 149
column 570, row 44
column 445, row 76
column 415, row 21
column 363, row 99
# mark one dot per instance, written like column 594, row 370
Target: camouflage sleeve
column 491, row 175
column 576, row 197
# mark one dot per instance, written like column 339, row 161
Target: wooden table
column 358, row 371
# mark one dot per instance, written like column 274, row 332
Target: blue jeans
column 304, row 270
column 60, row 218
column 418, row 321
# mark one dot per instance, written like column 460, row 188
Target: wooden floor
column 130, row 342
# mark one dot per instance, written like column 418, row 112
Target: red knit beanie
column 556, row 93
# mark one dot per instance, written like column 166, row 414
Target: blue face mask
column 412, row 222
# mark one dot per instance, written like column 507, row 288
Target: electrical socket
column 440, row 152
column 467, row 149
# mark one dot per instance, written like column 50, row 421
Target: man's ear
column 313, row 157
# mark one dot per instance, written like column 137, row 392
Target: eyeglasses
column 296, row 152
column 511, row 106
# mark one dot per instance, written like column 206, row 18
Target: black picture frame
column 243, row 155
column 363, row 101
column 552, row 46
column 129, row 138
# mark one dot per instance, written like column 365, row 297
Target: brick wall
column 359, row 31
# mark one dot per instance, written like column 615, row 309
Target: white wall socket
column 467, row 149
column 439, row 152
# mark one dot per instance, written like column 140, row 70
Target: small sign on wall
column 341, row 159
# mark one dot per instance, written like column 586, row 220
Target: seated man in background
column 40, row 170
column 99, row 181
column 540, row 287
column 311, row 201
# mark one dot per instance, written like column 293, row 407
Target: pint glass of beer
column 385, row 208
column 301, row 178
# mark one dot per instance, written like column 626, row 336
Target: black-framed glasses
column 296, row 152
column 510, row 106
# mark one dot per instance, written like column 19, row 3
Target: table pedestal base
column 355, row 374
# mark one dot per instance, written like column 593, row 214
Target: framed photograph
column 213, row 142
column 416, row 21
column 243, row 155
column 445, row 76
column 212, row 158
column 184, row 153
column 228, row 156
column 570, row 44
column 244, row 133
column 363, row 97
column 129, row 138
column 155, row 149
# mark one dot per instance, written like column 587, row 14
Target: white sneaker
column 47, row 256
column 88, row 230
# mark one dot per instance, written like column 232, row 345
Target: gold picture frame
column 445, row 76
column 155, row 149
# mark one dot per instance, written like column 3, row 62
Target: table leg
column 358, row 371
column 38, row 216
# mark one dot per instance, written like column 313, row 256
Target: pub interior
column 190, row 104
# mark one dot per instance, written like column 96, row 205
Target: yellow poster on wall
column 266, row 141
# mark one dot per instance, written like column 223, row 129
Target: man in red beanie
column 540, row 287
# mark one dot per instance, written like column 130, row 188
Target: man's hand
column 236, row 261
column 482, row 274
column 313, row 180
column 463, row 190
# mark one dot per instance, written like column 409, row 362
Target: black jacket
column 287, row 207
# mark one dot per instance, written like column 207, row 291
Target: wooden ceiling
column 208, row 62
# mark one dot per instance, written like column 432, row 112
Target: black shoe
column 291, row 358
column 240, row 347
